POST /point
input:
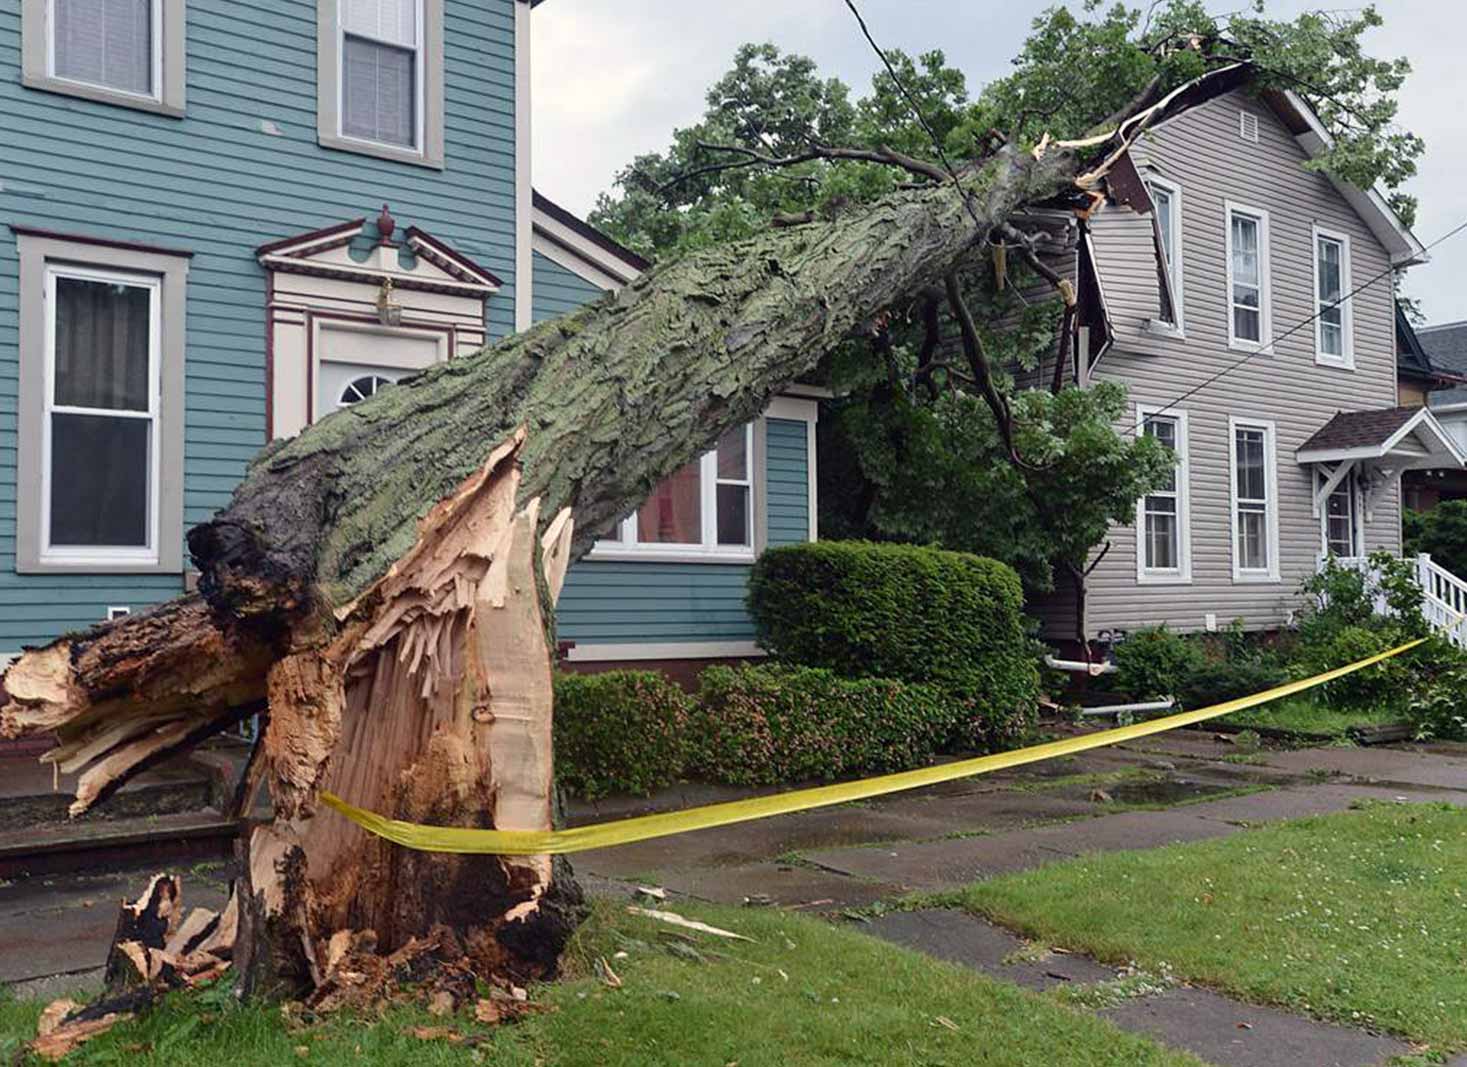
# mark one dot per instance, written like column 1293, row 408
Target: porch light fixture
column 389, row 311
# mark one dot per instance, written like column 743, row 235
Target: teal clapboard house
column 222, row 220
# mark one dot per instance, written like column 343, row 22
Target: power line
column 916, row 110
column 1292, row 330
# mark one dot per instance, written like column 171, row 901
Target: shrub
column 1370, row 687
column 1154, row 662
column 899, row 611
column 1215, row 683
column 1442, row 532
column 768, row 724
column 619, row 732
column 1438, row 707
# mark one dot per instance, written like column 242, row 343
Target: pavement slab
column 1233, row 1034
column 785, row 885
column 64, row 923
column 958, row 937
column 1397, row 764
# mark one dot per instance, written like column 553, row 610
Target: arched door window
column 361, row 388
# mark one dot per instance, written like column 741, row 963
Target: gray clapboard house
column 1219, row 306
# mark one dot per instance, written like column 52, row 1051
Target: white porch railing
column 1443, row 595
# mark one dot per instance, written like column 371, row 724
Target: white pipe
column 1091, row 669
column 1113, row 709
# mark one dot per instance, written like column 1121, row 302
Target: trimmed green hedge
column 769, row 724
column 904, row 612
column 619, row 732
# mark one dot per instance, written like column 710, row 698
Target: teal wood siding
column 627, row 602
column 557, row 290
column 218, row 184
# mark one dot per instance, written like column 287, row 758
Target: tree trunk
column 385, row 581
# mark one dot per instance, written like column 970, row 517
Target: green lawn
column 1360, row 916
column 1303, row 715
column 805, row 993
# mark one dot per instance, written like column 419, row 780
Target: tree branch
column 751, row 158
column 982, row 375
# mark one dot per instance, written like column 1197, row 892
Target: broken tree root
column 153, row 951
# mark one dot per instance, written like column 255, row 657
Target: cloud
column 613, row 78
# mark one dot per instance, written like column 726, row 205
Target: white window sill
column 1256, row 578
column 397, row 153
column 1337, row 362
column 102, row 94
column 1255, row 347
column 1163, row 579
column 1157, row 328
column 670, row 554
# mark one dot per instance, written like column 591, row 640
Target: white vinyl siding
column 703, row 512
column 1333, row 344
column 1248, row 280
column 1163, row 517
column 1255, row 500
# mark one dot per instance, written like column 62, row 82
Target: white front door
column 356, row 361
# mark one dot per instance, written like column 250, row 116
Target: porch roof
column 1405, row 437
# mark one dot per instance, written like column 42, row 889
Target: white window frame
column 708, row 550
column 1174, row 268
column 1265, row 295
column 1350, row 483
column 1271, row 504
column 1347, row 325
column 1182, row 573
column 155, row 56
column 168, row 57
column 101, row 555
column 420, row 54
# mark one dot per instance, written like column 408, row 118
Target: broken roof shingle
column 1358, row 429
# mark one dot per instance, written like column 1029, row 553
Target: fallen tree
column 384, row 583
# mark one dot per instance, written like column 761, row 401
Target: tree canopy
column 914, row 450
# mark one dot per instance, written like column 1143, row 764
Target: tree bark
column 385, row 581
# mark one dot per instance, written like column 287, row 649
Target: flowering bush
column 768, row 724
column 619, row 732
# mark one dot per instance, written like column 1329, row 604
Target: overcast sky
column 613, row 78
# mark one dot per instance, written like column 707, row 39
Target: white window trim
column 1357, row 513
column 709, row 550
column 330, row 55
column 1265, row 277
column 1347, row 320
column 1182, row 573
column 1271, row 483
column 98, row 555
column 40, row 256
column 419, row 50
column 1176, row 329
column 169, row 82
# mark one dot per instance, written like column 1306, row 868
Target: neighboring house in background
column 1296, row 451
column 1445, row 348
column 196, row 259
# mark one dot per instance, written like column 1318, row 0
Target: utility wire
column 916, row 110
column 1289, row 332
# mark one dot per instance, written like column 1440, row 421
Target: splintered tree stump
column 383, row 584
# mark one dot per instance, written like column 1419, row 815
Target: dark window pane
column 673, row 514
column 733, row 515
column 733, row 459
column 377, row 93
column 102, row 344
column 99, row 481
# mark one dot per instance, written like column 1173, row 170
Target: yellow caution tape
column 625, row 831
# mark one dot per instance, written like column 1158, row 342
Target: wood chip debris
column 674, row 919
